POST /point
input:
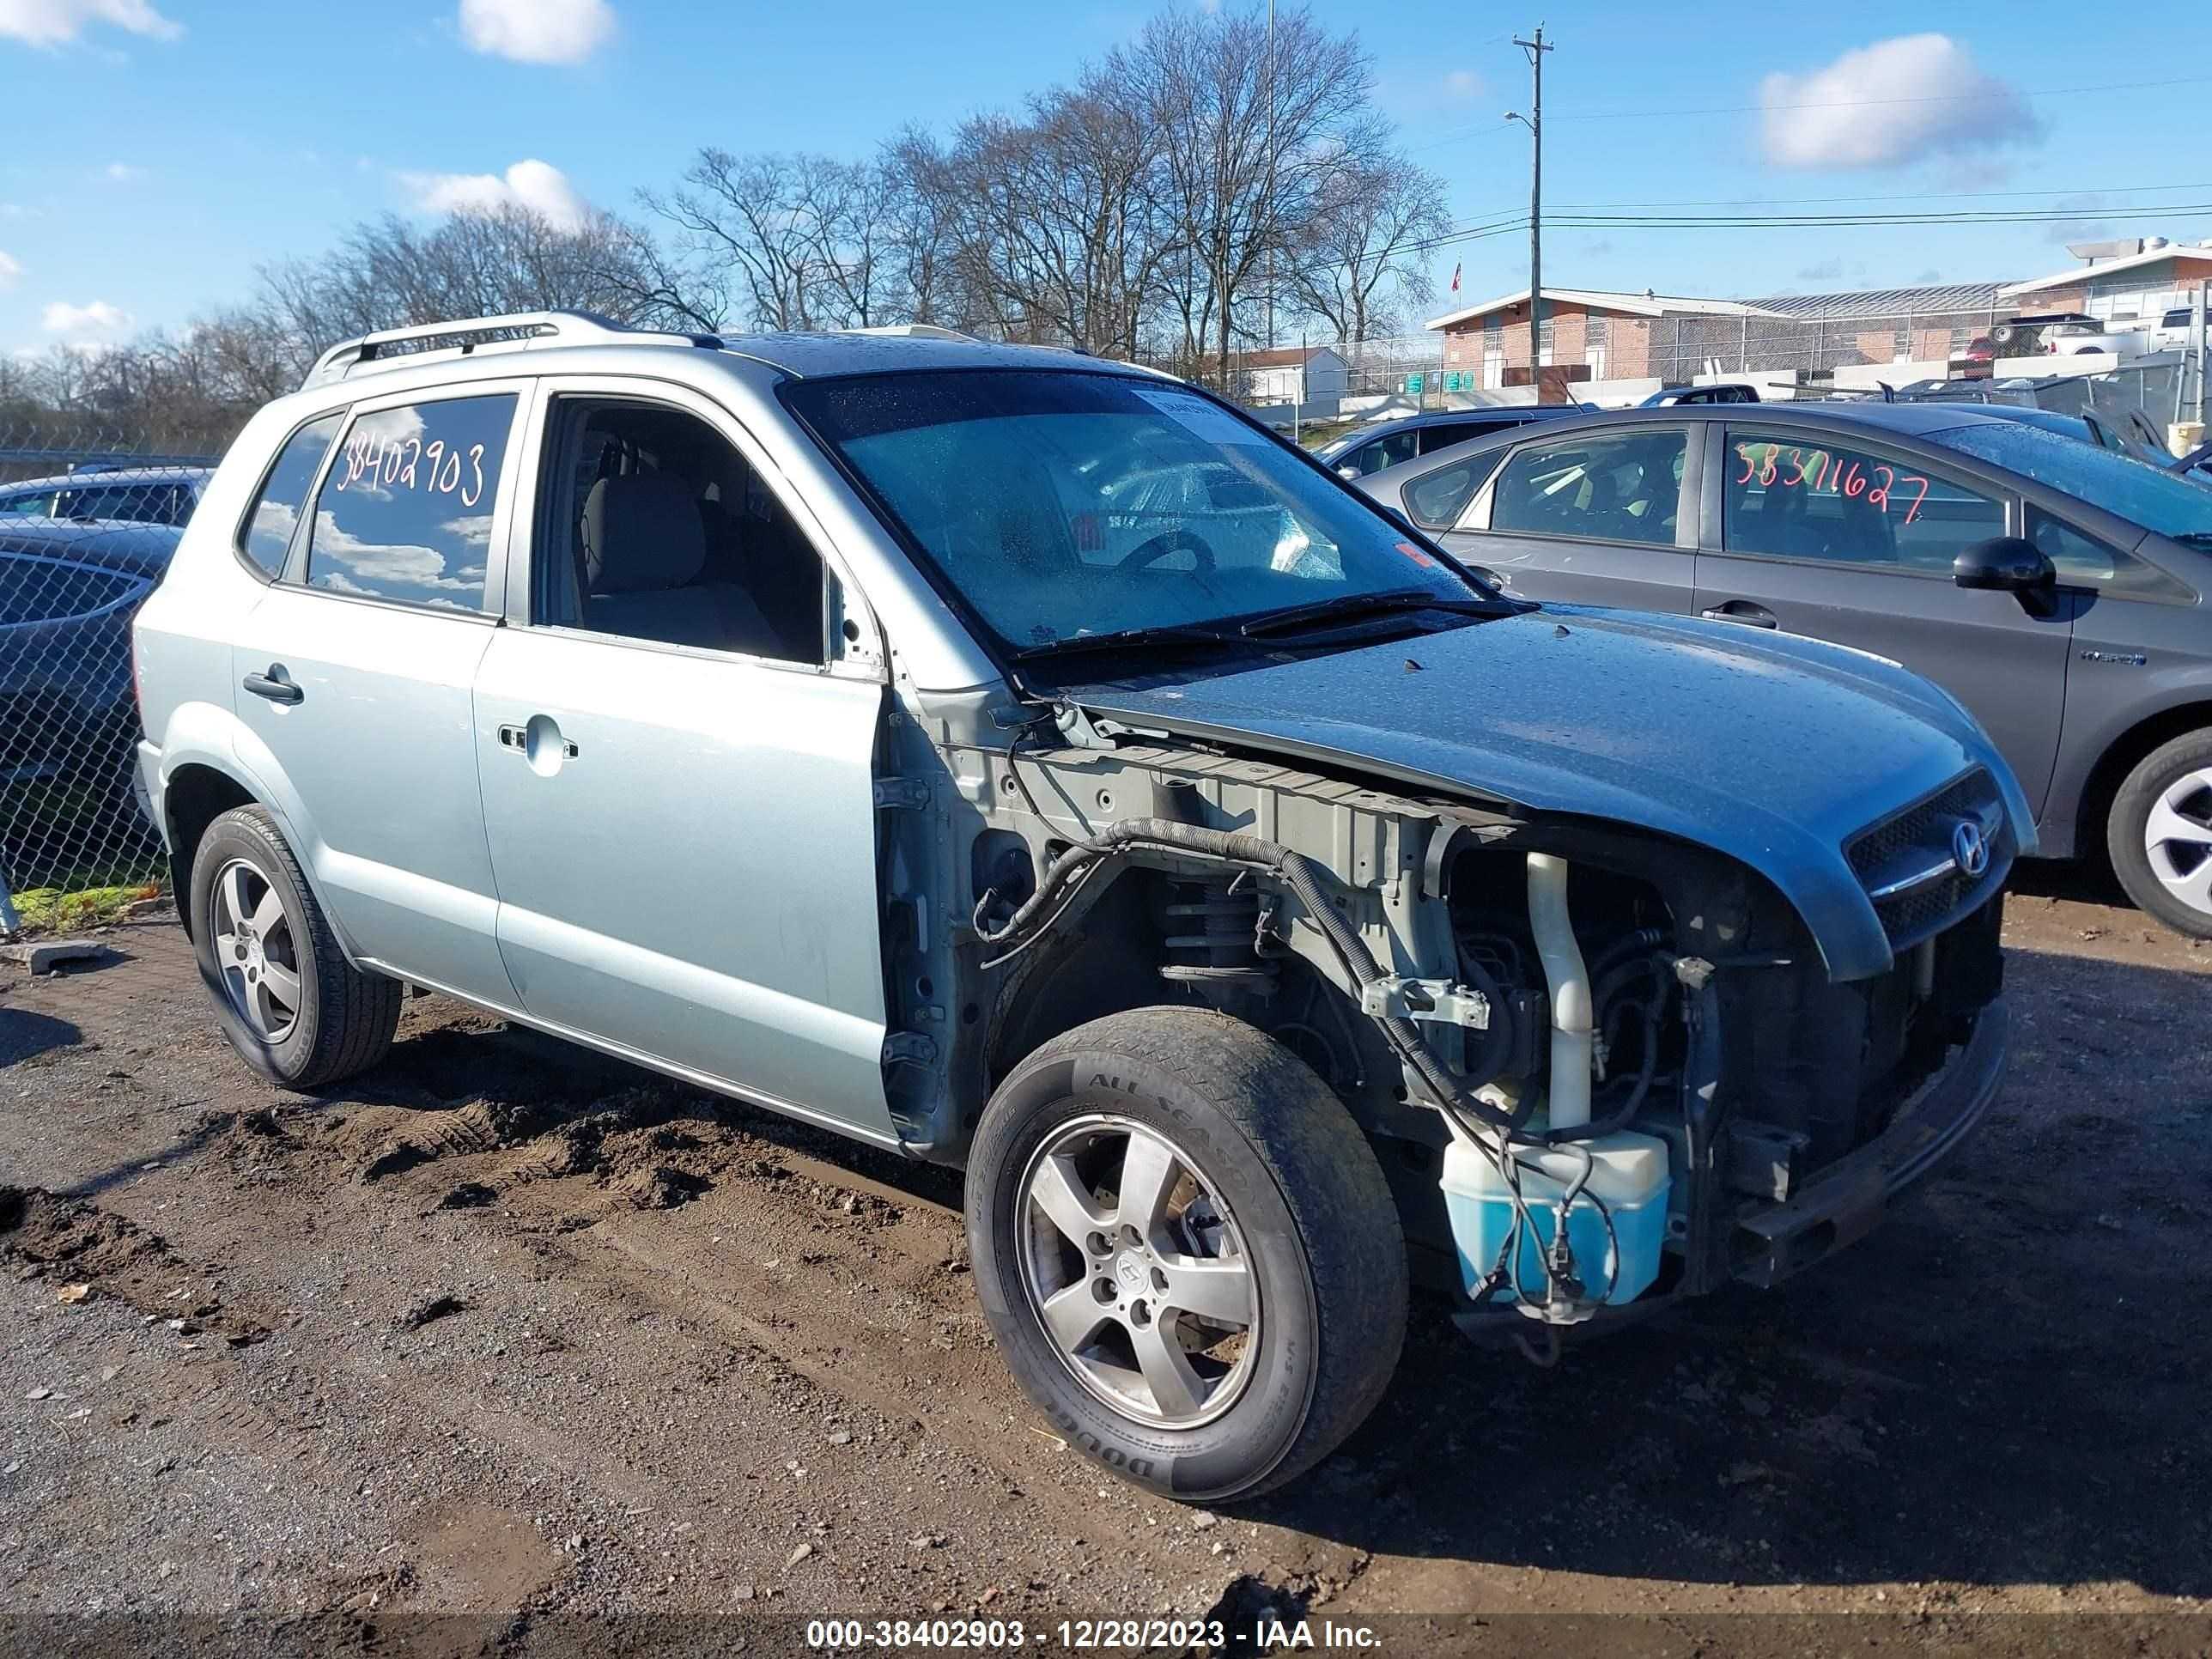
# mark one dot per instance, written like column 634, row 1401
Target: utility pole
column 1271, row 174
column 1535, row 122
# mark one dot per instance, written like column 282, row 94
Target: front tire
column 2160, row 834
column 290, row 1003
column 1186, row 1250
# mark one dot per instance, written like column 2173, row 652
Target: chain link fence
column 88, row 520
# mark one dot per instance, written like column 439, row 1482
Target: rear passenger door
column 1593, row 517
column 1853, row 542
column 677, row 733
column 353, row 674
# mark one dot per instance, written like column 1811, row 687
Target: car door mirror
column 1349, row 474
column 2009, row 564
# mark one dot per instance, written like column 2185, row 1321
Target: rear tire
column 2160, row 834
column 290, row 1003
column 1268, row 1203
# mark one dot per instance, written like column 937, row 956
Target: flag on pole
column 1454, row 286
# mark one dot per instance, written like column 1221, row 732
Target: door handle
column 276, row 685
column 1741, row 610
column 517, row 738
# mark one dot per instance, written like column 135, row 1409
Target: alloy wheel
column 2177, row 839
column 256, row 951
column 1135, row 1269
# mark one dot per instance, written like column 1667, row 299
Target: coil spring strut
column 1213, row 935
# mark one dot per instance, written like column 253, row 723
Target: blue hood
column 1773, row 750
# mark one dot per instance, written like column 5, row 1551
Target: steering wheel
column 1167, row 542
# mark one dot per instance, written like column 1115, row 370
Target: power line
column 1780, row 220
column 1477, row 130
column 1584, row 221
column 1981, row 96
column 1896, row 196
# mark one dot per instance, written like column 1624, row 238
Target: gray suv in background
column 1031, row 764
column 2057, row 588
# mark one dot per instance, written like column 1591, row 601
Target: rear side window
column 1810, row 500
column 1435, row 500
column 405, row 511
column 275, row 512
column 1434, row 438
column 1623, row 487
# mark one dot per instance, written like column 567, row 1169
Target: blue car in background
column 121, row 494
column 1388, row 443
column 68, row 717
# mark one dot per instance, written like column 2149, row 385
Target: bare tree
column 920, row 209
column 1252, row 127
column 1058, row 222
column 1368, row 224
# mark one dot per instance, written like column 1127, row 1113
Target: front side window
column 1061, row 504
column 28, row 504
column 650, row 526
column 2082, row 560
column 405, row 510
column 267, row 536
column 1617, row 487
column 2135, row 491
column 1809, row 499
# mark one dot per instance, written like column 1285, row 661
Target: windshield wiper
column 1346, row 607
column 1122, row 638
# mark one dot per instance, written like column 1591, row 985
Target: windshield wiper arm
column 1121, row 638
column 1348, row 606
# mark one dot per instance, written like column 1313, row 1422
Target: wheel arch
column 2121, row 757
column 195, row 795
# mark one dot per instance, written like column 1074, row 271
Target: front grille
column 1919, row 837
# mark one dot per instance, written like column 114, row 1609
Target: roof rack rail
column 913, row 331
column 521, row 330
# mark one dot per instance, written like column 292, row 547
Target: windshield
column 1063, row 505
column 2135, row 491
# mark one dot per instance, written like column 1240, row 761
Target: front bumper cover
column 1849, row 1198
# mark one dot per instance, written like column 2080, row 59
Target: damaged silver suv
column 1030, row 763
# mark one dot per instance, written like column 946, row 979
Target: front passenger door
column 677, row 765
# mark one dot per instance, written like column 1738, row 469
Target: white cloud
column 535, row 31
column 539, row 185
column 1896, row 101
column 1463, row 84
column 123, row 172
column 57, row 22
column 84, row 325
column 11, row 269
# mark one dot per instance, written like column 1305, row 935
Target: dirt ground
column 505, row 1349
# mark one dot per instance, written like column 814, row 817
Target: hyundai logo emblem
column 1970, row 849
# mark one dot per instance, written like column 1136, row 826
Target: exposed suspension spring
column 1213, row 935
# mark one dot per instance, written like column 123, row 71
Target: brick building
column 1590, row 333
column 2137, row 280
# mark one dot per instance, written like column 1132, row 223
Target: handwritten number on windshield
column 1772, row 467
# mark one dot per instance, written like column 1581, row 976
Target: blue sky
column 157, row 150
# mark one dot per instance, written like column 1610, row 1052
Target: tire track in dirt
column 97, row 1252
